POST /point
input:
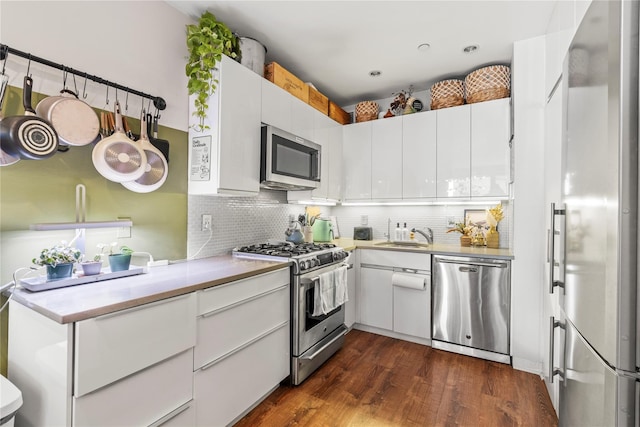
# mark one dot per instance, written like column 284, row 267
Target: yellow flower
column 495, row 215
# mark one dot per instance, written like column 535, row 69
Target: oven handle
column 305, row 281
column 324, row 347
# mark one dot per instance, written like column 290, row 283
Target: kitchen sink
column 402, row 244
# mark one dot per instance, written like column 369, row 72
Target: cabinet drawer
column 139, row 399
column 221, row 296
column 223, row 330
column 226, row 389
column 184, row 416
column 396, row 259
column 113, row 346
column 412, row 310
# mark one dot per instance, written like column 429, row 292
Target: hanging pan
column 5, row 159
column 74, row 120
column 156, row 170
column 117, row 157
column 28, row 136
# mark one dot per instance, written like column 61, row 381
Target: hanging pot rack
column 158, row 102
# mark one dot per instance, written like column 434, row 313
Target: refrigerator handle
column 551, row 258
column 553, row 371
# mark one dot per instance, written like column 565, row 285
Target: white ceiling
column 334, row 44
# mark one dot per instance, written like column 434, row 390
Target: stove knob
column 303, row 265
column 314, row 262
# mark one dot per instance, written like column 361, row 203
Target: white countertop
column 74, row 303
column 435, row 249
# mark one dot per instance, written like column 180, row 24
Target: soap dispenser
column 405, row 232
column 398, row 235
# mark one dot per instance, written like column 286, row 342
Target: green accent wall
column 40, row 191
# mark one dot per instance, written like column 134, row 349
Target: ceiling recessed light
column 472, row 48
column 424, row 46
column 375, row 73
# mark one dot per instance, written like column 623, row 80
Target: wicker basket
column 366, row 110
column 447, row 93
column 485, row 84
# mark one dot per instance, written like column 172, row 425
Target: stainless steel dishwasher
column 470, row 306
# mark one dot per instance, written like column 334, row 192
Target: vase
column 119, row 262
column 91, row 268
column 465, row 240
column 493, row 238
column 60, row 271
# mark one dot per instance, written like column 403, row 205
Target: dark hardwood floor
column 376, row 381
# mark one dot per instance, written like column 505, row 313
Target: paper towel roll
column 413, row 281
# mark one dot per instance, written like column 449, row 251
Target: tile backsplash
column 246, row 220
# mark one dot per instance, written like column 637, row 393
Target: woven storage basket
column 485, row 84
column 447, row 93
column 366, row 110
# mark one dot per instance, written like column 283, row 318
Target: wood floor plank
column 376, row 381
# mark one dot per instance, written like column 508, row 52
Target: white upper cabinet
column 303, row 119
column 490, row 152
column 225, row 159
column 453, row 152
column 386, row 158
column 419, row 155
column 357, row 161
column 334, row 190
column 276, row 106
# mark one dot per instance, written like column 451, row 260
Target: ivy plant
column 207, row 42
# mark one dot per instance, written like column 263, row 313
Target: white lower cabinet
column 139, row 399
column 390, row 306
column 226, row 389
column 242, row 350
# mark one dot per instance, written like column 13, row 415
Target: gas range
column 305, row 257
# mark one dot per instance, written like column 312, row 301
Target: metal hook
column 107, row 96
column 29, row 66
column 126, row 104
column 65, row 74
column 149, row 105
column 84, row 89
column 75, row 86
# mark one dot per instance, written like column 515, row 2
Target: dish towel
column 330, row 291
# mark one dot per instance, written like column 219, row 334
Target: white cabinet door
column 454, row 151
column 224, row 390
column 386, row 158
column 225, row 159
column 419, row 161
column 356, row 151
column 334, row 186
column 490, row 153
column 376, row 296
column 302, row 119
column 322, row 127
column 240, row 111
column 276, row 106
column 412, row 310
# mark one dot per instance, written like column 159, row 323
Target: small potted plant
column 494, row 216
column 59, row 260
column 118, row 261
column 93, row 266
column 464, row 230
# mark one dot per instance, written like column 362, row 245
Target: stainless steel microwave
column 288, row 162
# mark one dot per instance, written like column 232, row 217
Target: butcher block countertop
column 435, row 249
column 75, row 303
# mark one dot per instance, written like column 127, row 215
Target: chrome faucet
column 388, row 233
column 428, row 235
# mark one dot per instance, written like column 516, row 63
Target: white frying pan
column 117, row 157
column 156, row 170
column 73, row 119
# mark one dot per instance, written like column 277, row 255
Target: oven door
column 308, row 329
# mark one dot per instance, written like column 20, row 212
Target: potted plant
column 207, row 42
column 494, row 216
column 93, row 266
column 118, row 261
column 464, row 230
column 59, row 260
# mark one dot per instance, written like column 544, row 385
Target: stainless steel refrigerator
column 599, row 298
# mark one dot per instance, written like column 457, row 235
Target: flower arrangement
column 494, row 216
column 461, row 228
column 58, row 254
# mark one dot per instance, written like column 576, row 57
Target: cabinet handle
column 376, row 267
column 243, row 346
column 553, row 324
column 140, row 307
column 244, row 301
column 551, row 248
column 172, row 415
